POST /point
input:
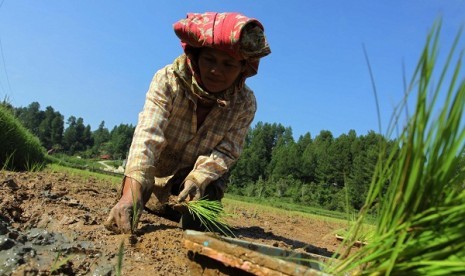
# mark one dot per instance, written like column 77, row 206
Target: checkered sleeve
column 148, row 140
column 226, row 153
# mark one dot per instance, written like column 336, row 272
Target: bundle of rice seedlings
column 211, row 214
column 419, row 192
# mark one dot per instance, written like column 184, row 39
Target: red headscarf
column 240, row 36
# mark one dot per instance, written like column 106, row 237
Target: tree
column 31, row 117
column 366, row 151
column 342, row 156
column 324, row 155
column 309, row 162
column 120, row 140
column 286, row 158
column 257, row 154
column 57, row 130
column 50, row 130
column 70, row 136
column 101, row 137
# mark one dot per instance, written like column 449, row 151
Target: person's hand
column 190, row 192
column 124, row 216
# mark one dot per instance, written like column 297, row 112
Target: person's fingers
column 124, row 220
column 197, row 195
column 188, row 191
column 120, row 219
column 110, row 223
column 183, row 195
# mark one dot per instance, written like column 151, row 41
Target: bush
column 19, row 149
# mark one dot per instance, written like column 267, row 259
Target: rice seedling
column 135, row 210
column 119, row 264
column 34, row 167
column 211, row 214
column 8, row 159
column 58, row 263
column 418, row 192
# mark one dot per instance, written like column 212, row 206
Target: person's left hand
column 190, row 192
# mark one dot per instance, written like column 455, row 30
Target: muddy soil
column 51, row 223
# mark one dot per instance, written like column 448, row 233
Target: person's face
column 218, row 70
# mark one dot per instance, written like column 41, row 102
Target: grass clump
column 19, row 148
column 419, row 191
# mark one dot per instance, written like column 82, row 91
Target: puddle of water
column 42, row 248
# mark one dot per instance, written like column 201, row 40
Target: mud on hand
column 123, row 218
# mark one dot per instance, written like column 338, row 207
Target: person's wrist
column 132, row 190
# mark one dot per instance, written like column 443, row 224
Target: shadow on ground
column 255, row 232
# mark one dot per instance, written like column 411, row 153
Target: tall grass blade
column 418, row 191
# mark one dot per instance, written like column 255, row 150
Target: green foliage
column 420, row 227
column 101, row 137
column 285, row 158
column 77, row 137
column 310, row 171
column 46, row 125
column 120, row 141
column 30, row 117
column 19, row 149
column 257, row 154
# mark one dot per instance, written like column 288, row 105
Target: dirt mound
column 52, row 223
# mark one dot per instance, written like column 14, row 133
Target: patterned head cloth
column 241, row 37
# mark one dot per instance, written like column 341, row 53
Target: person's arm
column 224, row 155
column 149, row 140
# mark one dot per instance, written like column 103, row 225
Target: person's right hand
column 190, row 192
column 124, row 216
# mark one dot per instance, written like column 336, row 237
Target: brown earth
column 51, row 223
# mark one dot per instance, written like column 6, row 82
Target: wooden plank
column 243, row 258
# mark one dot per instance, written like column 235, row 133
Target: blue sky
column 95, row 59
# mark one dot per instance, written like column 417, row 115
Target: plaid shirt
column 166, row 138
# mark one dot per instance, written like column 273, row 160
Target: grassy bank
column 276, row 203
column 85, row 174
column 19, row 148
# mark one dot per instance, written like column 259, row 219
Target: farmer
column 196, row 115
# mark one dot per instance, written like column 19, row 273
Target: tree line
column 322, row 171
column 76, row 138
